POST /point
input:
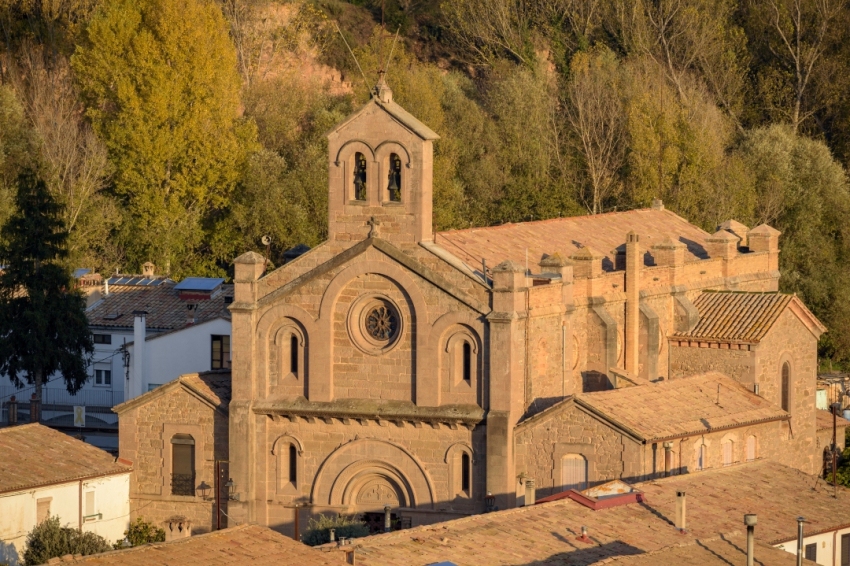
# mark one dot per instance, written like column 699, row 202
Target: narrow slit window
column 359, row 176
column 467, row 362
column 394, row 178
column 465, row 472
column 293, row 354
column 786, row 387
column 293, row 464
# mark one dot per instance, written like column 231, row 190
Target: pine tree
column 43, row 325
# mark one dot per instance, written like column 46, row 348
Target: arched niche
column 351, row 467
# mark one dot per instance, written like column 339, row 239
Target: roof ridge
column 19, row 427
column 549, row 220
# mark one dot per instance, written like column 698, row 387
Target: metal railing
column 60, row 396
column 182, row 484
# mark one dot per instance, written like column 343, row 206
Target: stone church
column 442, row 374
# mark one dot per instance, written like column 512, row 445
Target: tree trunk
column 38, row 379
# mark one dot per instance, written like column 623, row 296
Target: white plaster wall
column 18, row 511
column 829, row 546
column 189, row 350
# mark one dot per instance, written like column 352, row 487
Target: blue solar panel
column 199, row 284
column 80, row 272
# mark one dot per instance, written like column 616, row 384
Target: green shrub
column 319, row 530
column 49, row 540
column 141, row 532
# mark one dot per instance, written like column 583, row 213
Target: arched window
column 465, row 473
column 700, row 456
column 394, row 178
column 359, row 176
column 728, row 452
column 288, row 455
column 573, row 472
column 182, row 464
column 786, row 387
column 293, row 465
column 751, row 448
column 467, row 361
column 293, row 354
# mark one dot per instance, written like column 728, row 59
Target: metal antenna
column 353, row 56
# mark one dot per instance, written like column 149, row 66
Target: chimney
column 530, row 492
column 634, row 261
column 332, row 534
column 12, row 411
column 35, row 409
column 190, row 315
column 800, row 521
column 139, row 332
column 750, row 521
column 681, row 511
column 657, row 204
column 148, row 269
column 756, row 388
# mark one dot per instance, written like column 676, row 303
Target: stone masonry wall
column 790, row 341
column 142, row 439
column 540, row 446
column 693, row 360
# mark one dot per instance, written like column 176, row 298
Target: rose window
column 381, row 323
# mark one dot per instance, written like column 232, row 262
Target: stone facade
column 188, row 407
column 390, row 366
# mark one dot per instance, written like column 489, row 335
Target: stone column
column 723, row 245
column 507, row 379
column 248, row 267
column 634, row 261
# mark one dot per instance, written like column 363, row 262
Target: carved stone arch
column 387, row 147
column 430, row 384
column 286, row 439
column 351, row 147
column 267, row 328
column 285, row 485
column 322, row 377
column 377, row 475
column 382, row 159
column 458, row 470
column 345, row 157
column 458, row 447
column 342, row 473
column 785, row 357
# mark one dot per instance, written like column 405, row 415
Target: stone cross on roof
column 374, row 223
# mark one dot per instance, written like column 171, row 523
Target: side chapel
column 394, row 366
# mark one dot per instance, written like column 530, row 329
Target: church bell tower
column 380, row 173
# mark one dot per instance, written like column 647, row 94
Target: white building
column 46, row 473
column 186, row 327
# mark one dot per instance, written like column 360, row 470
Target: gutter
column 23, row 488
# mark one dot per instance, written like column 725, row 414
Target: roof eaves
column 145, row 397
column 707, row 430
column 811, row 322
column 546, row 413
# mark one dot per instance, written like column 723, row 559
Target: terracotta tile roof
column 824, row 420
column 718, row 551
column 32, row 455
column 245, row 544
column 545, row 534
column 737, row 315
column 681, row 407
column 604, row 232
column 214, row 386
column 165, row 310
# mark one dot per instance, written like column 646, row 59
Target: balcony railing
column 182, row 484
column 60, row 396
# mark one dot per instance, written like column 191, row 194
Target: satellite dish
column 266, row 240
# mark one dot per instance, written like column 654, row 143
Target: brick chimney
column 764, row 239
column 12, row 411
column 723, row 245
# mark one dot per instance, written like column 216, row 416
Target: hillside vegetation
column 181, row 131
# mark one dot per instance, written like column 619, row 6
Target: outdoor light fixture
column 489, row 502
column 204, row 489
column 230, row 486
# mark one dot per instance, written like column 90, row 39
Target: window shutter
column 42, row 509
column 89, row 503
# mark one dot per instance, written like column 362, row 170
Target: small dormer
column 380, row 174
